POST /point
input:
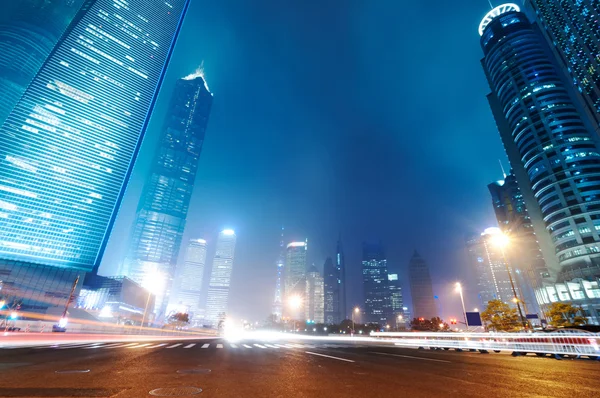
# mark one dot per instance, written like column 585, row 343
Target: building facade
column 187, row 286
column 491, row 269
column 295, row 276
column 314, row 308
column 279, row 292
column 396, row 299
column 220, row 278
column 378, row 305
column 571, row 29
column 421, row 289
column 553, row 151
column 29, row 30
column 340, row 262
column 332, row 293
column 160, row 220
column 68, row 147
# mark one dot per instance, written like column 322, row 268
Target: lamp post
column 501, row 240
column 398, row 319
column 462, row 300
column 295, row 303
column 355, row 311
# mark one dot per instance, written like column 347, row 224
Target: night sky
column 365, row 118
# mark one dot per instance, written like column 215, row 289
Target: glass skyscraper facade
column 295, row 273
column 378, row 305
column 278, row 299
column 332, row 293
column 220, row 277
column 160, row 220
column 340, row 265
column 571, row 27
column 421, row 289
column 29, row 30
column 68, row 146
column 554, row 152
column 314, row 296
column 187, row 286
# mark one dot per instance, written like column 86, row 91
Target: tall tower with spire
column 340, row 264
column 278, row 300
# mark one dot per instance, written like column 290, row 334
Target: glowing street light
column 154, row 282
column 295, row 302
column 501, row 240
column 356, row 311
column 462, row 300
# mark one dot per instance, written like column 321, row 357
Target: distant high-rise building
column 571, row 29
column 314, row 296
column 220, row 278
column 187, row 286
column 279, row 293
column 340, row 262
column 421, row 289
column 295, row 274
column 378, row 306
column 332, row 292
column 396, row 298
column 29, row 30
column 491, row 270
column 159, row 224
column 553, row 151
column 68, row 147
column 523, row 253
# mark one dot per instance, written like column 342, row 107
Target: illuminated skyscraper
column 187, row 286
column 340, row 264
column 490, row 268
column 278, row 300
column 295, row 274
column 332, row 292
column 220, row 278
column 68, row 147
column 314, row 296
column 29, row 30
column 553, row 151
column 421, row 289
column 571, row 27
column 396, row 299
column 378, row 305
column 162, row 210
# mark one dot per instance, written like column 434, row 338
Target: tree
column 500, row 317
column 179, row 319
column 565, row 315
column 429, row 325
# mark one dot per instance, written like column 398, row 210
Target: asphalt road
column 295, row 368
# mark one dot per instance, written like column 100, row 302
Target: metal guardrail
column 564, row 342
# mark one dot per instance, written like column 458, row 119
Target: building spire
column 502, row 168
column 491, row 6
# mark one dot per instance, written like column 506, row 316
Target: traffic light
column 453, row 321
column 421, row 319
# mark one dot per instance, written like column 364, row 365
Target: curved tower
column 553, row 151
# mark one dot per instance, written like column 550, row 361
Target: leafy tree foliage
column 500, row 317
column 565, row 315
column 435, row 324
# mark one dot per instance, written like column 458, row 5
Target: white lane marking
column 190, row 345
column 247, row 346
column 139, row 346
column 94, row 346
column 205, row 345
column 290, row 346
column 233, row 345
column 219, row 345
column 260, row 346
column 280, row 346
column 174, row 345
column 112, row 345
column 329, row 356
column 124, row 345
column 297, row 345
column 271, row 346
column 67, row 346
column 408, row 356
column 157, row 345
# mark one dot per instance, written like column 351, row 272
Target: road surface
column 284, row 368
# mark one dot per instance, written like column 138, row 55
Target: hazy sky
column 361, row 117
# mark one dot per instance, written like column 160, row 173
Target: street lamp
column 295, row 303
column 154, row 281
column 398, row 319
column 356, row 311
column 462, row 300
column 501, row 240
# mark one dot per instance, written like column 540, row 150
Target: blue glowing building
column 552, row 148
column 68, row 146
